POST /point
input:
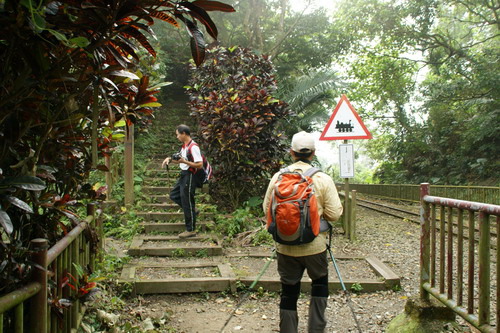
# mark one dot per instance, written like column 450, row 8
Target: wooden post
column 109, row 176
column 484, row 269
column 38, row 320
column 129, row 166
column 424, row 241
column 352, row 233
column 498, row 272
column 97, row 223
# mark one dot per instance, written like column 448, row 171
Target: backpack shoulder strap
column 189, row 154
column 312, row 171
column 285, row 169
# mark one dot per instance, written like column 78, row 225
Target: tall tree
column 426, row 67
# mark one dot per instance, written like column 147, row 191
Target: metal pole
column 264, row 269
column 344, row 289
column 347, row 217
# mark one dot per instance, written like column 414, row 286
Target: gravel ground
column 392, row 240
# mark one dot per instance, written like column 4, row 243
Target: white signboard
column 346, row 160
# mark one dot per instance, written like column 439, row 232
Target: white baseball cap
column 303, row 142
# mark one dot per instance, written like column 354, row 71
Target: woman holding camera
column 189, row 160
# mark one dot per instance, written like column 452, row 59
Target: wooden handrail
column 18, row 296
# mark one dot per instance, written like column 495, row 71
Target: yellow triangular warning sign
column 345, row 123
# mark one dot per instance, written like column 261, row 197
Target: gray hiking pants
column 291, row 270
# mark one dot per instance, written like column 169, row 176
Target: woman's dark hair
column 183, row 129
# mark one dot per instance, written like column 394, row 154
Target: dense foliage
column 428, row 72
column 71, row 71
column 231, row 98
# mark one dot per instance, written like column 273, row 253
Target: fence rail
column 486, row 194
column 53, row 268
column 450, row 271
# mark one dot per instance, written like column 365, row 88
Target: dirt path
column 391, row 240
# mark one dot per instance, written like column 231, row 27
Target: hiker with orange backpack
column 190, row 162
column 298, row 200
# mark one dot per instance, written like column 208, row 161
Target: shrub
column 231, row 99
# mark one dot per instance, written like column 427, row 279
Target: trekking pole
column 264, row 269
column 344, row 289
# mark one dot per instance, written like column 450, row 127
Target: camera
column 176, row 156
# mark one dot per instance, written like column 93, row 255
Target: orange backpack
column 292, row 217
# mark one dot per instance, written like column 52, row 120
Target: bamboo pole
column 19, row 315
column 39, row 300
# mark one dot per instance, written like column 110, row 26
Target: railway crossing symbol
column 345, row 123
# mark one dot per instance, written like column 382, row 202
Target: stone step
column 149, row 227
column 145, row 281
column 160, row 181
column 161, row 206
column 157, row 189
column 168, row 216
column 158, row 172
column 220, row 274
column 173, row 246
column 165, row 190
column 157, row 198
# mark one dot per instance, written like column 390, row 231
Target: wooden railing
column 461, row 276
column 46, row 297
column 486, row 194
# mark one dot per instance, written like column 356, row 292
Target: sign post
column 345, row 124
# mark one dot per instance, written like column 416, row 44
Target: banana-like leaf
column 26, row 183
column 201, row 15
column 5, row 222
column 159, row 85
column 164, row 17
column 19, row 203
column 214, row 5
column 124, row 73
column 131, row 32
column 197, row 41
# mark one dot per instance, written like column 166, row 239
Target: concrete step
column 150, row 279
column 169, row 216
column 161, row 206
column 164, row 198
column 157, row 189
column 173, row 246
column 213, row 274
column 149, row 227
